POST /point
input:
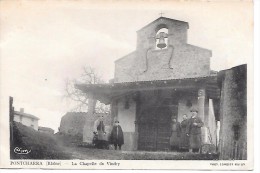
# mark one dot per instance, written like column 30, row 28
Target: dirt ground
column 92, row 153
column 60, row 147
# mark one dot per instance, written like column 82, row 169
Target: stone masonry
column 178, row 60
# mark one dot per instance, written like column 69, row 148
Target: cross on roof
column 161, row 13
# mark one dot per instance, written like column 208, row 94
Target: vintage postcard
column 126, row 84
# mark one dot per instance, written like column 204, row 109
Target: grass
column 42, row 145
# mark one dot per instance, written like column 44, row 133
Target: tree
column 80, row 99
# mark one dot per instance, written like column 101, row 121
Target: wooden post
column 11, row 119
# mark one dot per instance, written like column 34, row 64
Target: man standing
column 194, row 131
column 117, row 136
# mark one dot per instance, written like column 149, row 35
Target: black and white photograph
column 102, row 84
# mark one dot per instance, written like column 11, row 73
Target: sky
column 43, row 43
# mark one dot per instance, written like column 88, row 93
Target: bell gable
column 162, row 52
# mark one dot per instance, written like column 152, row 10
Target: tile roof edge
column 161, row 80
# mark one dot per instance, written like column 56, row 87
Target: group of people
column 186, row 135
column 102, row 140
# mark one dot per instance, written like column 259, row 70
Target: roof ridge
column 26, row 114
column 158, row 19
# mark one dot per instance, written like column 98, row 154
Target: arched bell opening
column 161, row 39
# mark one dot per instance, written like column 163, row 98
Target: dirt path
column 92, row 154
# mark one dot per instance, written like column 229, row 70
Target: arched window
column 161, row 38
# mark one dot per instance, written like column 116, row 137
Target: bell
column 161, row 36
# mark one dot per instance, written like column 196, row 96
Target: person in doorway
column 184, row 140
column 117, row 135
column 194, row 131
column 175, row 135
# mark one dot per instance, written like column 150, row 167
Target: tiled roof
column 26, row 115
column 45, row 128
column 106, row 92
column 165, row 81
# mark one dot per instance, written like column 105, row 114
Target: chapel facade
column 164, row 77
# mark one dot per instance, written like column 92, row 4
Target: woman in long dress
column 184, row 141
column 100, row 140
column 117, row 136
column 175, row 137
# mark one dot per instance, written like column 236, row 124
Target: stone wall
column 72, row 123
column 124, row 69
column 233, row 113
